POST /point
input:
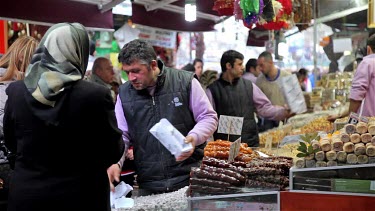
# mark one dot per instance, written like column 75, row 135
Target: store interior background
column 336, row 19
column 293, row 49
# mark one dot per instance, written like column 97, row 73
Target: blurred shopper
column 362, row 50
column 63, row 152
column 12, row 68
column 363, row 83
column 268, row 83
column 232, row 95
column 251, row 70
column 153, row 92
column 103, row 74
column 189, row 67
column 301, row 81
column 304, row 74
column 198, row 67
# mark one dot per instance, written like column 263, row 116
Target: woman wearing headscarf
column 62, row 152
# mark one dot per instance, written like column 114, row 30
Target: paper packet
column 170, row 137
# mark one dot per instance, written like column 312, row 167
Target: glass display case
column 348, row 179
column 245, row 201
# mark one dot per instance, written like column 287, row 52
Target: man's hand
column 287, row 112
column 129, row 154
column 332, row 117
column 185, row 155
column 113, row 172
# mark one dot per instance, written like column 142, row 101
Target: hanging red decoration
column 274, row 25
column 224, row 7
column 287, row 6
column 281, row 18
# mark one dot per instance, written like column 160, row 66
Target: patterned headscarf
column 60, row 60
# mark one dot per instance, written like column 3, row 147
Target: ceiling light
column 190, row 10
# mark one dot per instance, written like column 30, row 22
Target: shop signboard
column 158, row 37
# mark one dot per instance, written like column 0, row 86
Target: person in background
column 103, row 74
column 198, row 67
column 268, row 83
column 189, row 67
column 362, row 50
column 117, row 80
column 153, row 92
column 301, row 81
column 251, row 71
column 304, row 74
column 12, row 68
column 62, row 151
column 232, row 95
column 363, row 83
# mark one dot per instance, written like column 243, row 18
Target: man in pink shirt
column 153, row 92
column 232, row 95
column 363, row 85
column 251, row 70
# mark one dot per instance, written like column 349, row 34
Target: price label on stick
column 234, row 149
column 268, row 144
column 353, row 118
column 364, row 119
column 230, row 125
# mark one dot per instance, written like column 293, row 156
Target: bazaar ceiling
column 166, row 14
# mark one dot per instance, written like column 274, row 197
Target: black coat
column 63, row 166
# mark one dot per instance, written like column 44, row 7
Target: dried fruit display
column 216, row 176
column 351, row 145
column 276, row 135
column 220, row 149
column 319, row 124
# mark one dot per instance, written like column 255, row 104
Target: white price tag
column 364, row 119
column 353, row 118
column 234, row 150
column 372, row 185
column 268, row 144
column 230, row 125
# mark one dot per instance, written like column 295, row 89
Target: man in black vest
column 232, row 95
column 154, row 92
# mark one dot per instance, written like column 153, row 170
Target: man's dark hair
column 188, row 67
column 92, row 47
column 303, row 72
column 251, row 63
column 137, row 50
column 362, row 51
column 267, row 55
column 229, row 57
column 371, row 42
column 197, row 60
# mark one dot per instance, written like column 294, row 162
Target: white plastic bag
column 293, row 94
column 121, row 190
column 170, row 137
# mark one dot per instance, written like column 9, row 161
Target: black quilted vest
column 236, row 99
column 156, row 168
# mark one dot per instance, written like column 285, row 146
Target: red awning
column 49, row 12
column 169, row 20
column 175, row 20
